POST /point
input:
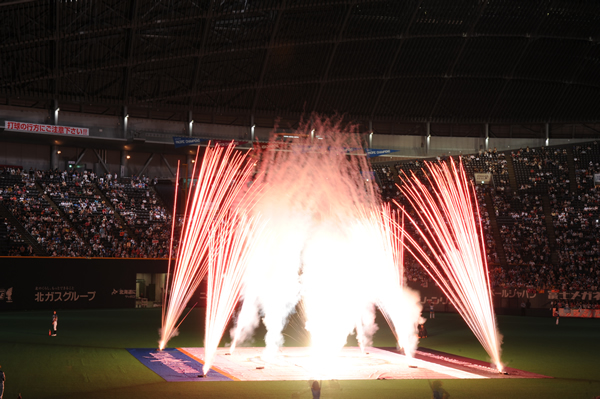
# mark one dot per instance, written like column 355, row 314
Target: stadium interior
column 104, row 103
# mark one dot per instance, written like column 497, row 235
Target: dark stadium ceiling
column 444, row 61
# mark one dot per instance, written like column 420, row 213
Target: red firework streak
column 454, row 235
column 230, row 251
column 221, row 179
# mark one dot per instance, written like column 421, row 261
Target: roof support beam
column 168, row 165
column 509, row 78
column 80, row 157
column 146, row 164
column 467, row 36
column 36, row 77
column 336, row 43
column 559, row 99
column 263, row 69
column 388, row 72
column 15, row 2
column 101, row 160
column 297, row 82
column 55, row 82
column 531, row 39
column 129, row 49
column 195, row 77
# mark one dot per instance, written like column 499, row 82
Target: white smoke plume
column 326, row 246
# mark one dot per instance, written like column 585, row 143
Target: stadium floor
column 88, row 359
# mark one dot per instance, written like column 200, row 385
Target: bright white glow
column 230, row 245
column 296, row 364
column 328, row 247
column 325, row 248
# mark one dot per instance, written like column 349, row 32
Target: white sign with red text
column 38, row 128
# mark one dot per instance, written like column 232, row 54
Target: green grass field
column 88, row 359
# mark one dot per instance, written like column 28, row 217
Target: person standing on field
column 2, row 379
column 54, row 323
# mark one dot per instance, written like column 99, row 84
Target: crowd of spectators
column 68, row 215
column 142, row 211
column 43, row 222
column 577, row 230
column 84, row 207
column 541, row 169
column 490, row 161
column 587, row 163
column 11, row 242
column 522, row 226
column 83, row 214
column 488, row 235
column 387, row 187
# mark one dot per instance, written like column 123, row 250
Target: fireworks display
column 221, row 179
column 450, row 226
column 230, row 246
column 306, row 226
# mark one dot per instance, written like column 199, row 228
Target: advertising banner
column 583, row 313
column 270, row 146
column 71, row 283
column 483, row 178
column 185, row 141
column 508, row 297
column 374, row 152
column 38, row 128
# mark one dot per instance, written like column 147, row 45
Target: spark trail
column 311, row 229
column 452, row 232
column 222, row 179
column 230, row 249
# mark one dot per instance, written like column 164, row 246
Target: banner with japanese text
column 71, row 283
column 39, row 128
column 508, row 297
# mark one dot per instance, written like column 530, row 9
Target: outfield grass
column 88, row 359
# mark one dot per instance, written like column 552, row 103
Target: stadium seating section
column 540, row 216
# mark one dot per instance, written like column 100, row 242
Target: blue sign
column 373, row 152
column 185, row 141
column 174, row 366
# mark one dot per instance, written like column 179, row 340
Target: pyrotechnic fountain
column 221, row 179
column 307, row 226
column 454, row 236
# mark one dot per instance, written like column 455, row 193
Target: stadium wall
column 462, row 138
column 71, row 283
column 96, row 283
column 415, row 146
column 17, row 154
column 38, row 156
